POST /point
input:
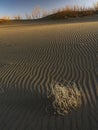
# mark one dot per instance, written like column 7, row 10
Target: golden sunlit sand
column 31, row 57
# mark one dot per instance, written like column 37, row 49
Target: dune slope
column 31, row 58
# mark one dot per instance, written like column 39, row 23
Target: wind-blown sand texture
column 31, row 57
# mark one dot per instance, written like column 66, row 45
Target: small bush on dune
column 96, row 7
column 4, row 19
column 18, row 17
column 64, row 99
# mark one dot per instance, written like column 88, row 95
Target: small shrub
column 18, row 17
column 96, row 7
column 64, row 99
column 4, row 19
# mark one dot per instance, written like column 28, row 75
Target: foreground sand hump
column 64, row 99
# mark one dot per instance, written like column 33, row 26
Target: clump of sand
column 64, row 99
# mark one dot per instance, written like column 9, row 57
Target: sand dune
column 31, row 57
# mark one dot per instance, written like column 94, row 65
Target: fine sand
column 31, row 57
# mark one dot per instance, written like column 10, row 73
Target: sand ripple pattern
column 31, row 58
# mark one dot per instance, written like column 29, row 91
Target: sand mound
column 64, row 99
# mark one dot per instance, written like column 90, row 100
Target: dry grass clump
column 96, row 7
column 4, row 19
column 18, row 17
column 64, row 99
column 72, row 12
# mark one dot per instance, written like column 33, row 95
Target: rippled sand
column 31, row 57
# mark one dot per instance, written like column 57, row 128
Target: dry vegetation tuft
column 96, row 7
column 64, row 99
column 4, row 19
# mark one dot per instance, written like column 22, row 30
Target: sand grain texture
column 31, row 57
